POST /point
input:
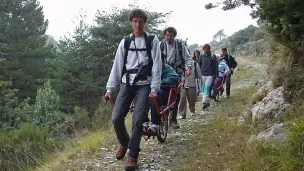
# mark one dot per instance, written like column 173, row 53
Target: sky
column 189, row 17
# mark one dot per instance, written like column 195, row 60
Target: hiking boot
column 153, row 128
column 192, row 114
column 205, row 106
column 182, row 117
column 130, row 163
column 228, row 97
column 121, row 152
column 145, row 126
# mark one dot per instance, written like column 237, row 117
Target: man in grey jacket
column 188, row 91
column 177, row 57
column 137, row 69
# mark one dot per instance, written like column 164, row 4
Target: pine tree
column 23, row 49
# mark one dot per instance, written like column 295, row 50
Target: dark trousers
column 173, row 116
column 217, row 84
column 162, row 99
column 123, row 101
column 228, row 84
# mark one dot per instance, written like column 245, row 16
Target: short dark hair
column 170, row 30
column 138, row 13
column 224, row 49
column 206, row 46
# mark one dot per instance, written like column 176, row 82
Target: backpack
column 147, row 70
column 231, row 61
column 212, row 56
column 180, row 49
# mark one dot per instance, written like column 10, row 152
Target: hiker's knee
column 117, row 119
column 138, row 119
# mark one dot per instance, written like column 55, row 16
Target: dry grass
column 223, row 144
column 257, row 97
column 86, row 146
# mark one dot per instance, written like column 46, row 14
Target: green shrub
column 81, row 118
column 289, row 156
column 13, row 113
column 102, row 115
column 25, row 147
column 294, row 82
column 287, row 69
column 46, row 108
column 296, row 142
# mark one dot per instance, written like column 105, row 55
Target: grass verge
column 83, row 147
column 223, row 144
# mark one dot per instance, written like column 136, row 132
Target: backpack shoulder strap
column 149, row 43
column 180, row 50
column 162, row 46
column 230, row 57
column 180, row 47
column 127, row 43
column 212, row 55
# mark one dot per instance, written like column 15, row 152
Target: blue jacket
column 168, row 77
column 223, row 68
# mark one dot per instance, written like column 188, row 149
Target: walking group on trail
column 153, row 74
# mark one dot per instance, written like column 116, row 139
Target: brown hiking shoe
column 121, row 152
column 130, row 163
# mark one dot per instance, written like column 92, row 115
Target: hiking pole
column 183, row 81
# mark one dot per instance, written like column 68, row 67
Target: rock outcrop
column 271, row 107
column 274, row 133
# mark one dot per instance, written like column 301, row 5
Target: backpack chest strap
column 132, row 71
column 140, row 50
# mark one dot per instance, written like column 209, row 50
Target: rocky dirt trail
column 154, row 156
column 157, row 156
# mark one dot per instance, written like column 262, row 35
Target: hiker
column 168, row 78
column 232, row 65
column 209, row 70
column 224, row 71
column 188, row 91
column 196, row 55
column 137, row 69
column 178, row 58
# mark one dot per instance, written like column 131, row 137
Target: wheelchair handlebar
column 155, row 99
